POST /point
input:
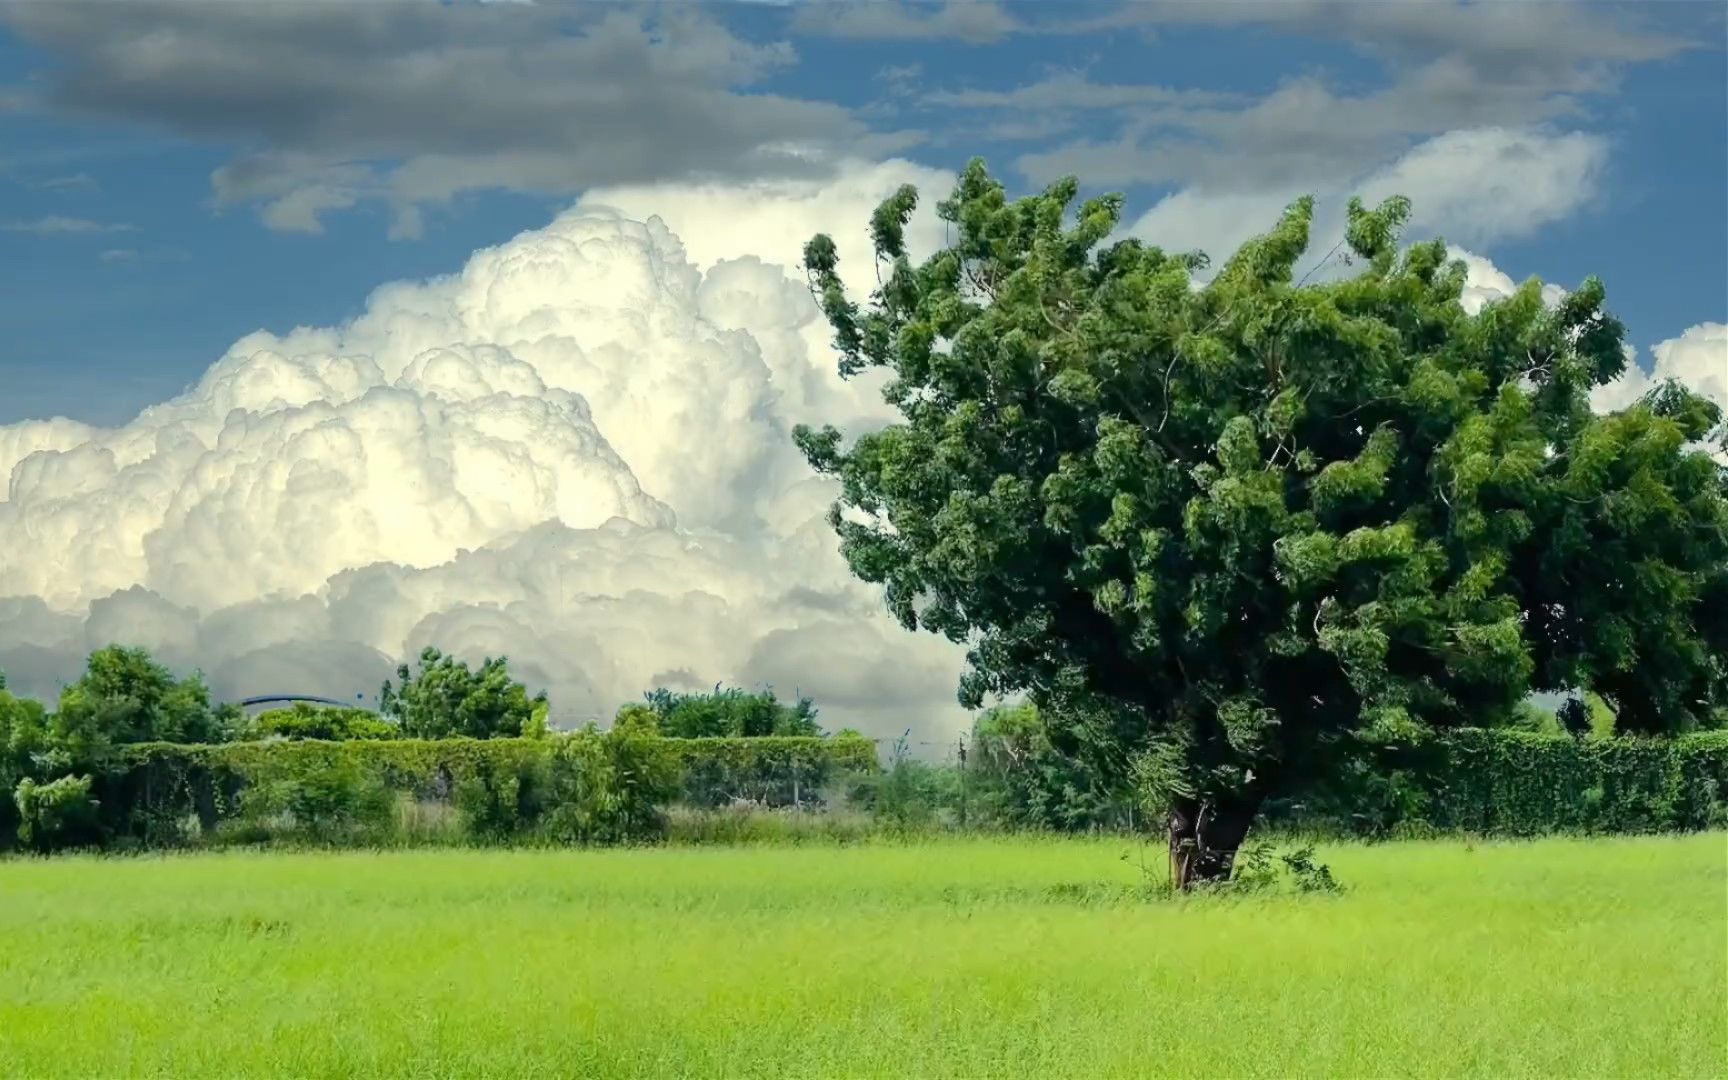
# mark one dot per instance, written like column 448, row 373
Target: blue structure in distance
column 286, row 699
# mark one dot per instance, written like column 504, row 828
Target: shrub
column 57, row 814
column 306, row 721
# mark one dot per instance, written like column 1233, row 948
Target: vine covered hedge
column 1522, row 783
column 585, row 787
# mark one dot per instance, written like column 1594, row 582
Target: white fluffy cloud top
column 574, row 452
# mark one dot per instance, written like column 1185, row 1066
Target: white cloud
column 574, row 451
column 1698, row 359
column 60, row 225
column 1484, row 282
column 1472, row 186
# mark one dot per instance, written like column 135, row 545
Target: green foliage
column 1230, row 529
column 637, row 718
column 582, row 787
column 766, row 771
column 307, row 721
column 125, row 697
column 442, row 698
column 1015, row 774
column 23, row 737
column 57, row 814
column 726, row 713
column 338, row 800
column 1524, row 783
column 909, row 795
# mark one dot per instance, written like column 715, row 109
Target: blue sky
column 131, row 259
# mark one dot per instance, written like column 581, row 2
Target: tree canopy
column 125, row 696
column 1223, row 528
column 730, row 712
column 442, row 697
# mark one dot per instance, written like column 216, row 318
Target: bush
column 58, row 814
column 306, row 721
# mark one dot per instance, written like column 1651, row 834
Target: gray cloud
column 72, row 182
column 55, row 224
column 413, row 103
column 1449, row 66
column 979, row 22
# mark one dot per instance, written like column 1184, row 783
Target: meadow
column 990, row 957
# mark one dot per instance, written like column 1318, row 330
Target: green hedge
column 772, row 771
column 1521, row 783
column 583, row 787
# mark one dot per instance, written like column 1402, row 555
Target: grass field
column 1604, row 958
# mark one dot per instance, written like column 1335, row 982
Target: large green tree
column 1224, row 530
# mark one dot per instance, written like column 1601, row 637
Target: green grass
column 958, row 958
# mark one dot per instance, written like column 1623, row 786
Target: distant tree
column 637, row 719
column 730, row 712
column 23, row 737
column 307, row 721
column 1222, row 531
column 124, row 696
column 442, row 698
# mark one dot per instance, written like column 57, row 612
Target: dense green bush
column 618, row 787
column 58, row 814
column 306, row 721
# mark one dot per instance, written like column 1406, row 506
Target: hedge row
column 583, row 787
column 1521, row 783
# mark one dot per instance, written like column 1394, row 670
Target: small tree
column 443, row 698
column 728, row 713
column 1223, row 531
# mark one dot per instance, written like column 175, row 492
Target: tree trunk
column 1204, row 839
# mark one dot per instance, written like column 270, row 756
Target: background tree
column 23, row 735
column 1222, row 531
column 125, row 696
column 443, row 698
column 726, row 713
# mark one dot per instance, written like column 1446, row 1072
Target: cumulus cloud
column 1475, row 187
column 574, row 451
column 1698, row 358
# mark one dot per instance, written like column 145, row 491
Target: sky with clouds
column 331, row 329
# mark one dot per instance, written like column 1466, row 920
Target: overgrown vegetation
column 331, row 776
column 730, row 712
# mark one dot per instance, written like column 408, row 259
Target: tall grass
column 1009, row 957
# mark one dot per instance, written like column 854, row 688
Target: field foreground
column 962, row 958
